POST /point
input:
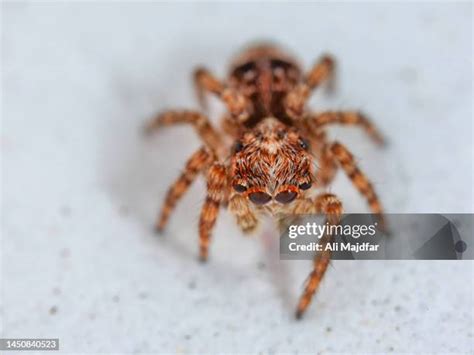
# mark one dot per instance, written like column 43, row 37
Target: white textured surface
column 81, row 187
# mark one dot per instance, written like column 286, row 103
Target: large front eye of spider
column 259, row 198
column 286, row 196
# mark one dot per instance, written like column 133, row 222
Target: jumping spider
column 277, row 141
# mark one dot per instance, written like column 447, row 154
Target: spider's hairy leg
column 231, row 127
column 327, row 168
column 347, row 118
column 206, row 81
column 237, row 104
column 319, row 145
column 196, row 163
column 296, row 99
column 200, row 122
column 331, row 206
column 346, row 160
column 240, row 208
column 217, row 193
column 323, row 70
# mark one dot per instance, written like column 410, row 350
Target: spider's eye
column 286, row 196
column 238, row 146
column 305, row 185
column 239, row 188
column 259, row 198
column 304, row 143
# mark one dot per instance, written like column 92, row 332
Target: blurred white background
column 81, row 186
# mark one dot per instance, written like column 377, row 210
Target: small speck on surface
column 192, row 285
column 116, row 299
column 142, row 295
column 65, row 211
column 328, row 329
column 53, row 310
column 408, row 75
column 123, row 210
column 65, row 253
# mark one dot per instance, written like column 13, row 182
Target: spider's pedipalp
column 244, row 214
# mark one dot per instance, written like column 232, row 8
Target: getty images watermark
column 359, row 237
column 317, row 231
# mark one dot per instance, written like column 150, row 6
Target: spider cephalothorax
column 269, row 167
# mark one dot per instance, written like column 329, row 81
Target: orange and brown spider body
column 265, row 75
column 277, row 142
column 271, row 165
